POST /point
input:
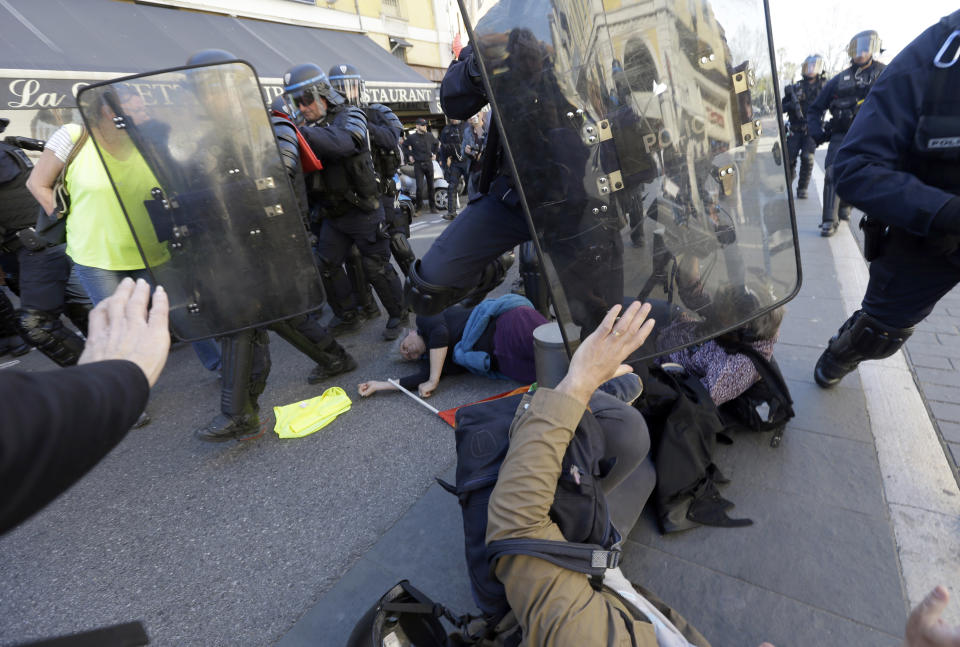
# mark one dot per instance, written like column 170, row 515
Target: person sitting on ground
column 494, row 339
column 556, row 606
column 56, row 425
column 725, row 375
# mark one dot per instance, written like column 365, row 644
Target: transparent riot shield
column 646, row 143
column 193, row 161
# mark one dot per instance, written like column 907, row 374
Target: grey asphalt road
column 229, row 544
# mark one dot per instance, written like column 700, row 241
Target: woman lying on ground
column 493, row 339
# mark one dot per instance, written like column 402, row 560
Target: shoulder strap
column 589, row 559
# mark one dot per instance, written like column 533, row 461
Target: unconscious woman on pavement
column 493, row 339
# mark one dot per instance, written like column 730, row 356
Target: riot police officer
column 47, row 287
column 246, row 354
column 843, row 95
column 899, row 164
column 345, row 193
column 421, row 148
column 385, row 131
column 797, row 98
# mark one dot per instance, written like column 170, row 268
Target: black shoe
column 370, row 311
column 340, row 362
column 828, row 372
column 142, row 421
column 351, row 322
column 828, row 229
column 801, row 193
column 449, row 216
column 223, row 428
column 394, row 326
column 844, row 215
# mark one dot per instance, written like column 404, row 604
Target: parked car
column 408, row 184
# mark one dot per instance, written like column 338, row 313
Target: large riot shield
column 192, row 158
column 647, row 146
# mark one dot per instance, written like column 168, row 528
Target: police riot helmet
column 210, row 56
column 864, row 46
column 403, row 617
column 305, row 83
column 346, row 79
column 812, row 66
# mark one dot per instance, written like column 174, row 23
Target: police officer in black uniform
column 797, row 98
column 455, row 163
column 421, row 148
column 472, row 254
column 246, row 354
column 44, row 271
column 345, row 194
column 385, row 131
column 843, row 95
column 900, row 164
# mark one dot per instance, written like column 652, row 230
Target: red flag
column 449, row 416
column 456, row 46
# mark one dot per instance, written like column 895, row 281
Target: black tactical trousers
column 905, row 284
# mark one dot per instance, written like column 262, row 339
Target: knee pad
column 46, row 332
column 402, row 252
column 864, row 337
column 428, row 298
column 493, row 275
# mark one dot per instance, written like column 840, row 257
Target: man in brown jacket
column 556, row 606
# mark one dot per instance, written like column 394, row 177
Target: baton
column 415, row 397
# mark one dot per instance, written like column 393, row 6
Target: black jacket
column 421, row 146
column 56, row 425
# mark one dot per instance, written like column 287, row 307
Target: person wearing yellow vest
column 99, row 239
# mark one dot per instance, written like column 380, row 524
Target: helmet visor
column 865, row 45
column 351, row 87
column 813, row 66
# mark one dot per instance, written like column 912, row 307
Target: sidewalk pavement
column 853, row 520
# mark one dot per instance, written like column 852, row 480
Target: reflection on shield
column 644, row 170
column 193, row 161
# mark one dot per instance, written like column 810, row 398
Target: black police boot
column 395, row 325
column 802, row 193
column 861, row 337
column 246, row 365
column 828, row 229
column 336, row 361
column 223, row 428
column 348, row 323
column 844, row 212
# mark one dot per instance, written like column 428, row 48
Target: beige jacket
column 555, row 606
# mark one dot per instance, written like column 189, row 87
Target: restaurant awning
column 51, row 46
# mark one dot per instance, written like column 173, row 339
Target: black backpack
column 579, row 507
column 765, row 406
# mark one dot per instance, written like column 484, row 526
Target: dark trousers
column 633, row 476
column 46, row 283
column 365, row 230
column 484, row 230
column 454, row 172
column 423, row 173
column 833, row 206
column 906, row 283
column 803, row 145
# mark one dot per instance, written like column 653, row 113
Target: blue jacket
column 477, row 361
column 871, row 165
